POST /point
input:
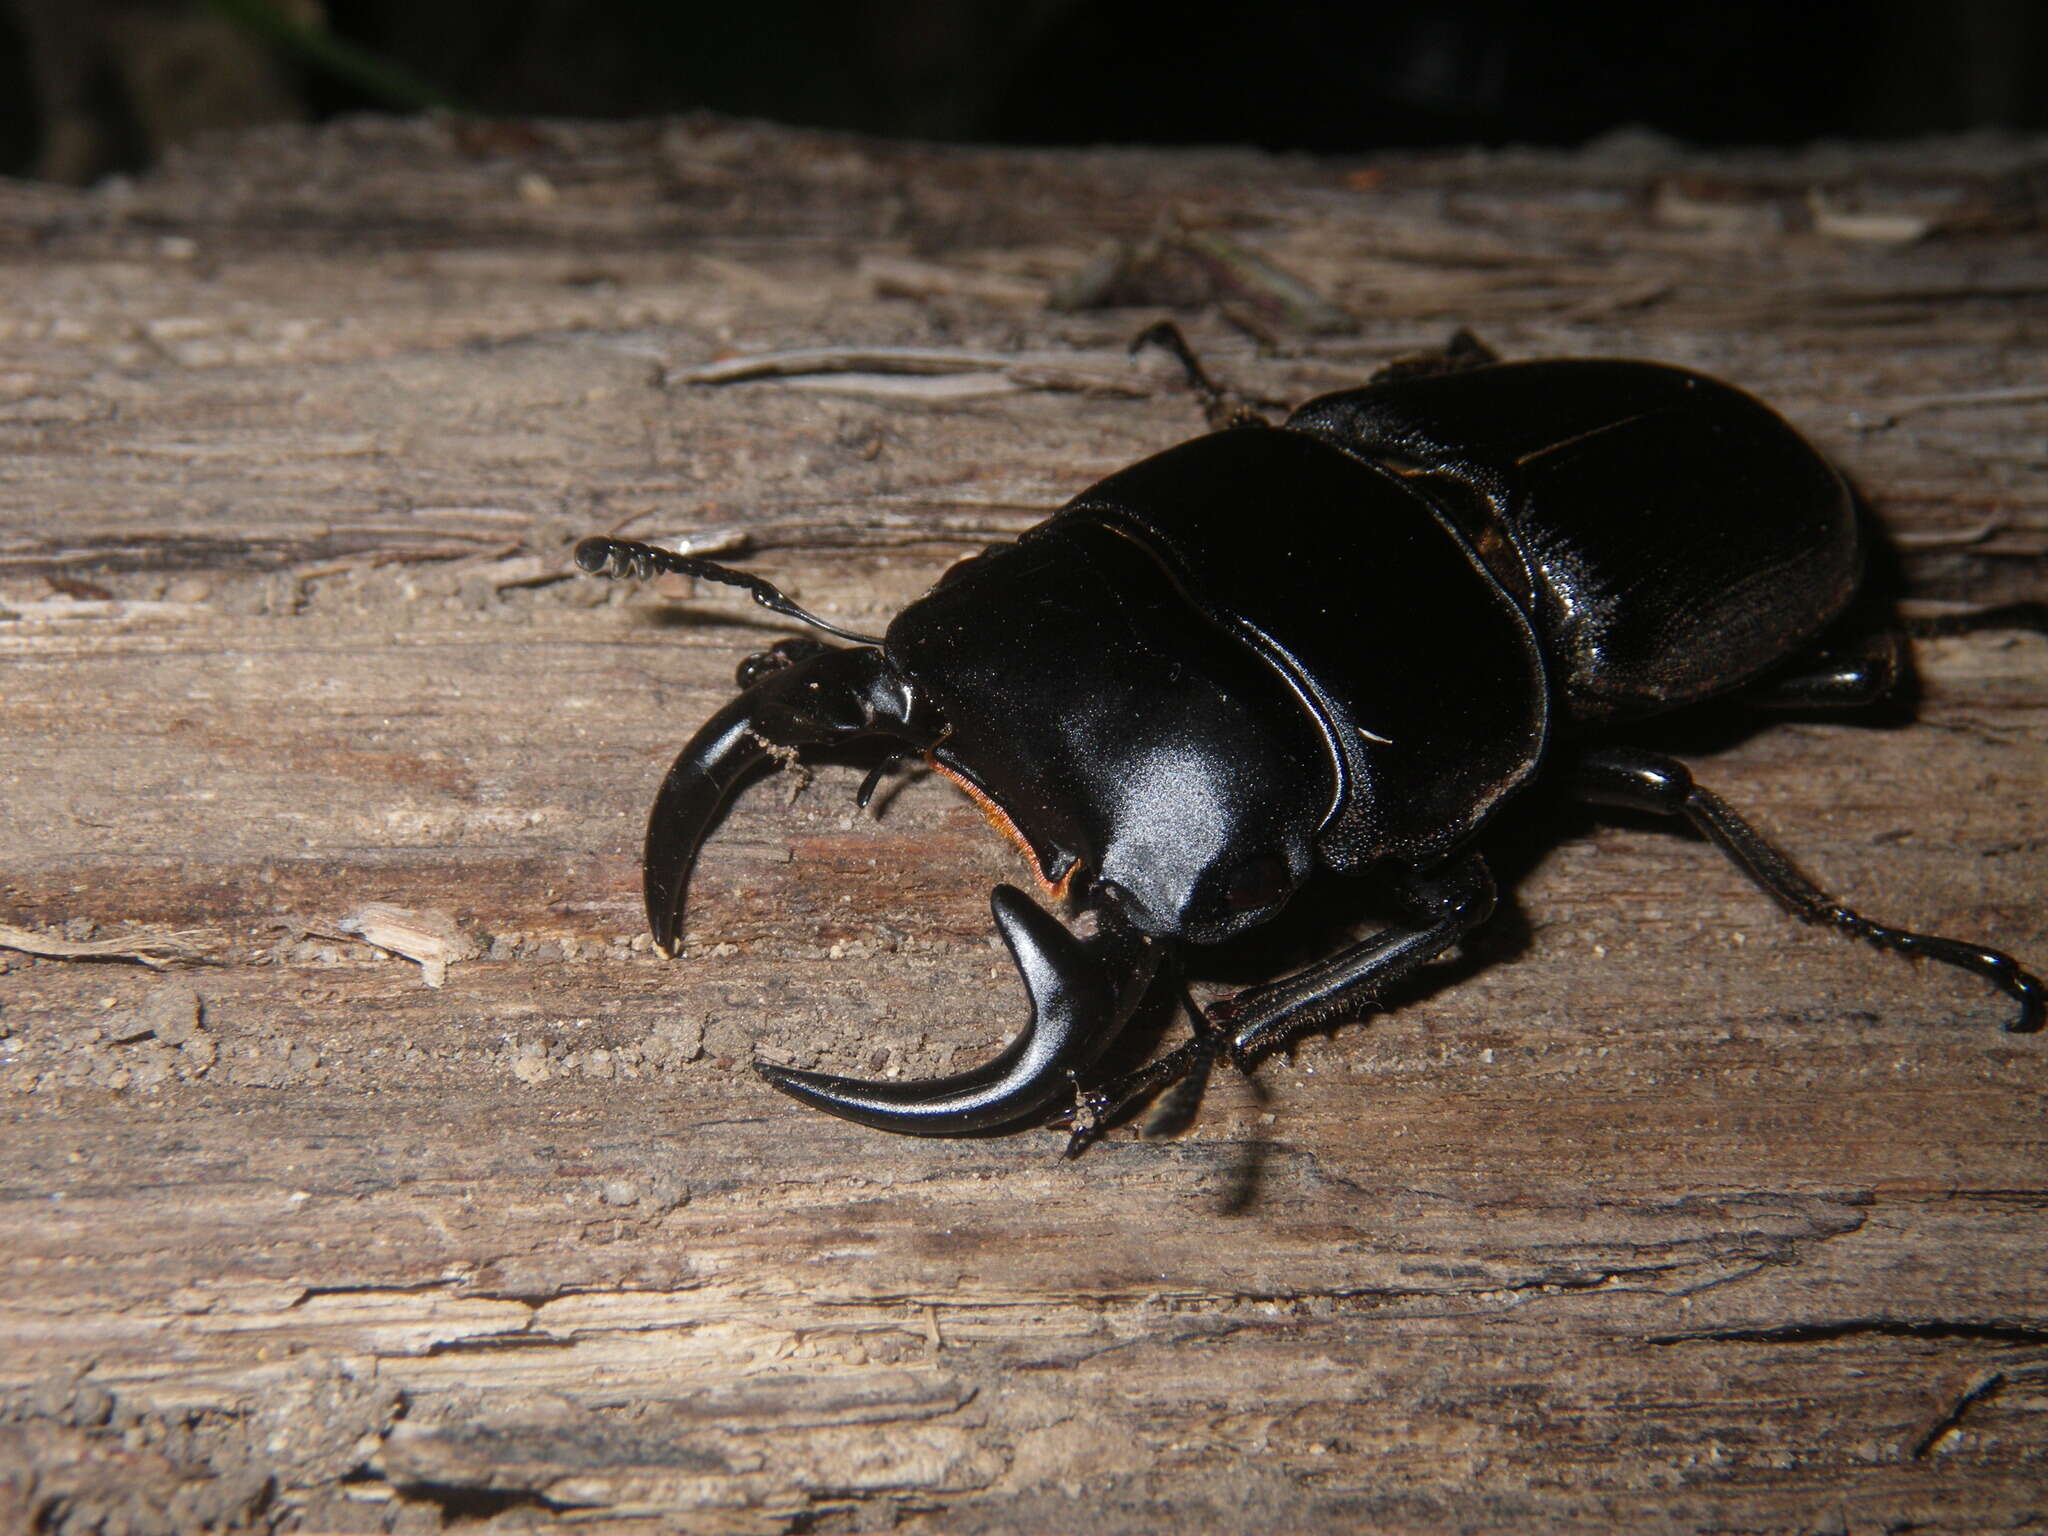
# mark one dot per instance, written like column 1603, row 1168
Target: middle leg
column 1630, row 779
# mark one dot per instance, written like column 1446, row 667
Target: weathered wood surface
column 1660, row 1214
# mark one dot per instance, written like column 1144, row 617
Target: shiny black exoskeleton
column 1336, row 645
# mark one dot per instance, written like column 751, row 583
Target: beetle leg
column 1645, row 781
column 834, row 695
column 1452, row 900
column 1082, row 991
column 1462, row 352
column 888, row 765
column 1221, row 407
column 1184, row 1069
column 1855, row 674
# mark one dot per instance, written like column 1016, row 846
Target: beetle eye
column 1259, row 882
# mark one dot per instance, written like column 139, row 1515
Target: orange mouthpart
column 1055, row 890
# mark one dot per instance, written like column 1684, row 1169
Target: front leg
column 1448, row 902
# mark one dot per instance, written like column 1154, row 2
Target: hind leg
column 1852, row 673
column 1662, row 786
column 1221, row 407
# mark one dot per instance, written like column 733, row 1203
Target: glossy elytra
column 1332, row 647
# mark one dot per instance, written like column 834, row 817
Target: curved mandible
column 835, row 696
column 1082, row 993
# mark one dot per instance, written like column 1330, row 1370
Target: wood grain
column 1652, row 1212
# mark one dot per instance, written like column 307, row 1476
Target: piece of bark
column 1651, row 1212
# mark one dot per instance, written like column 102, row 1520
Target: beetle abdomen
column 1676, row 537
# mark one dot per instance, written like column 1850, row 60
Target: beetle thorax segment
column 1421, row 672
column 1111, row 724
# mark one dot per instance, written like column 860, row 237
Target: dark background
column 88, row 86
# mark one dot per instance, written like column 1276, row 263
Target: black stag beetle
column 1337, row 644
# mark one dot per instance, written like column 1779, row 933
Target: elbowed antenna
column 630, row 557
